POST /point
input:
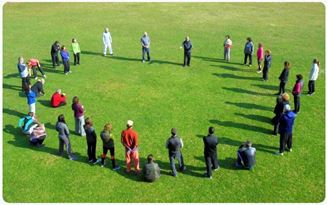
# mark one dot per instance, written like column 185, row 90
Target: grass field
column 163, row 95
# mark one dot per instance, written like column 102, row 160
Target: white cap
column 129, row 123
column 286, row 108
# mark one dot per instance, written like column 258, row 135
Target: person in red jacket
column 297, row 90
column 129, row 139
column 58, row 99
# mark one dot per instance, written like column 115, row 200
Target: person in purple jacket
column 65, row 58
column 286, row 130
column 79, row 116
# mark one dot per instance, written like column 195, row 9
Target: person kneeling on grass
column 108, row 144
column 151, row 170
column 38, row 135
column 246, row 156
column 58, row 99
column 37, row 88
column 28, row 123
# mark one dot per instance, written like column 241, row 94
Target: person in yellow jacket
column 76, row 51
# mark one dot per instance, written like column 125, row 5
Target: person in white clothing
column 227, row 44
column 313, row 76
column 107, row 40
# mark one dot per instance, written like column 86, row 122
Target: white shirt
column 314, row 72
column 107, row 38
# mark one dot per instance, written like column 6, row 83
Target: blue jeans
column 145, row 50
column 173, row 156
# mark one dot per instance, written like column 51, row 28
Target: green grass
column 163, row 95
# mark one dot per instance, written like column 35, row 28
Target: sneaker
column 44, row 76
column 174, row 175
column 73, row 158
column 116, row 168
column 279, row 153
column 250, row 65
column 259, row 71
column 97, row 161
column 90, row 161
column 70, row 71
column 216, row 169
column 66, row 73
column 143, row 61
column 102, row 165
column 35, row 78
column 290, row 150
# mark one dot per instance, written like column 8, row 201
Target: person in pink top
column 260, row 56
column 34, row 64
column 297, row 90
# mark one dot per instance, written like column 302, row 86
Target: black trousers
column 112, row 155
column 311, row 86
column 250, row 59
column 265, row 73
column 35, row 74
column 297, row 103
column 76, row 58
column 54, row 59
column 211, row 163
column 186, row 58
column 66, row 66
column 25, row 83
column 92, row 151
column 285, row 140
column 282, row 87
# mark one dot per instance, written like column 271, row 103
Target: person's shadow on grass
column 215, row 60
column 250, row 106
column 46, row 103
column 13, row 112
column 233, row 76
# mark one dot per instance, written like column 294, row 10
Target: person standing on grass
column 55, row 48
column 313, row 76
column 129, row 139
column 108, row 144
column 65, row 58
column 260, row 57
column 37, row 88
column 63, row 135
column 145, row 44
column 267, row 64
column 248, row 51
column 34, row 64
column 174, row 145
column 79, row 116
column 58, row 99
column 151, row 170
column 283, row 78
column 107, row 41
column 23, row 72
column 281, row 101
column 246, row 156
column 76, row 51
column 227, row 44
column 31, row 99
column 91, row 138
column 187, row 46
column 297, row 90
column 286, row 130
column 210, row 152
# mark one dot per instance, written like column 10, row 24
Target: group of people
column 283, row 120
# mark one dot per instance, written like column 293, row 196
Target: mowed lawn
column 162, row 95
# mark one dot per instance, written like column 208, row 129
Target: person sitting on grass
column 38, row 135
column 246, row 156
column 108, row 144
column 58, row 99
column 37, row 88
column 151, row 170
column 28, row 123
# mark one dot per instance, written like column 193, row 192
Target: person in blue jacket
column 286, row 130
column 31, row 99
column 65, row 58
column 248, row 51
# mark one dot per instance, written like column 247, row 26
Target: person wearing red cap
column 129, row 139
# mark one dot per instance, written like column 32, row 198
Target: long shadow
column 48, row 68
column 166, row 62
column 233, row 76
column 264, row 86
column 50, row 126
column 230, row 68
column 191, row 170
column 12, row 87
column 241, row 126
column 125, row 58
column 12, row 75
column 255, row 117
column 46, row 103
column 20, row 140
column 215, row 60
column 13, row 112
column 227, row 163
column 250, row 106
column 139, row 60
column 92, row 53
column 244, row 91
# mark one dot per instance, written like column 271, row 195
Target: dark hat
column 174, row 131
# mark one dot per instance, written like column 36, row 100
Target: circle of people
column 283, row 120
